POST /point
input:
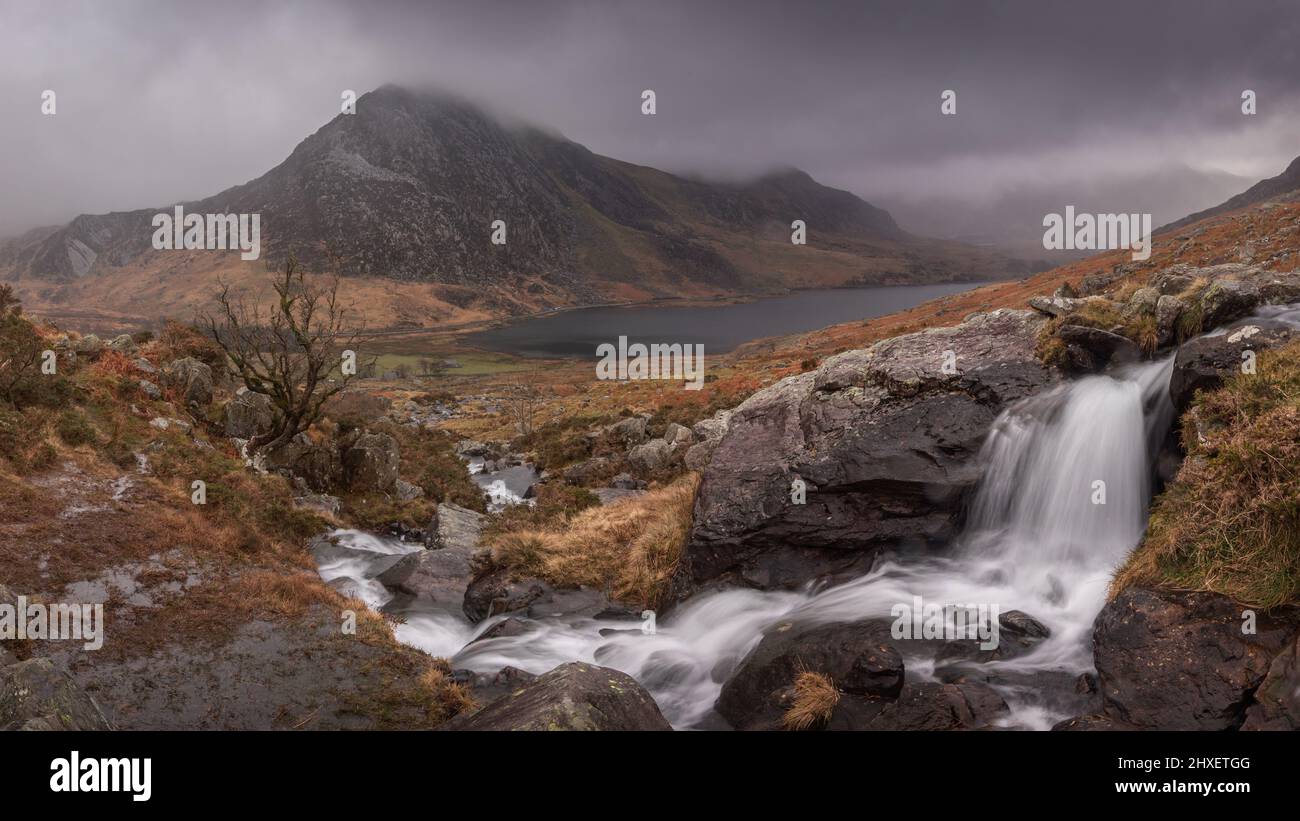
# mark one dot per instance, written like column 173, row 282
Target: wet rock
column 1018, row 633
column 472, row 448
column 1180, row 661
column 1226, row 300
column 488, row 687
column 573, row 696
column 36, row 691
column 884, row 439
column 370, row 463
column 1277, row 701
column 1103, row 346
column 249, row 414
column 1204, row 362
column 437, row 577
column 651, row 456
column 192, row 378
column 922, row 706
column 1093, row 723
column 508, row 627
column 498, row 591
column 857, row 656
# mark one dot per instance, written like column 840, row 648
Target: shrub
column 74, row 428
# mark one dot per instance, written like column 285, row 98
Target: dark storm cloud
column 165, row 101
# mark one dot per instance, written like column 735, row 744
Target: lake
column 719, row 328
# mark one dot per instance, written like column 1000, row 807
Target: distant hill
column 1288, row 182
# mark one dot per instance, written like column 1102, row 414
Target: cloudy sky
column 164, row 101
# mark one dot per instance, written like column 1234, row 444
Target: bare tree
column 287, row 353
column 523, row 401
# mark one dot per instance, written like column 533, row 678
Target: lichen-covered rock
column 192, row 378
column 317, row 465
column 651, row 456
column 1204, row 362
column 573, row 696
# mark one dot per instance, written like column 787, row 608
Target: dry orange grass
column 815, row 698
column 629, row 548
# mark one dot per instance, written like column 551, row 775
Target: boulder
column 1181, row 661
column 89, row 345
column 1101, row 346
column 883, row 438
column 1277, row 701
column 573, row 696
column 712, row 428
column 678, row 436
column 143, row 365
column 857, row 656
column 150, row 390
column 192, row 378
column 316, row 464
column 498, row 590
column 123, row 344
column 650, row 457
column 1168, row 309
column 407, row 492
column 1204, row 362
column 249, row 414
column 1226, row 300
column 1144, row 301
column 455, row 528
column 370, row 463
column 38, row 692
column 1056, row 305
column 922, row 706
column 630, row 432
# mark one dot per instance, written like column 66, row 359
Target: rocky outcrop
column 1183, row 661
column 249, row 414
column 857, row 656
column 883, row 439
column 573, row 696
column 708, row 432
column 192, row 378
column 370, row 462
column 1204, row 362
column 316, row 465
column 35, row 695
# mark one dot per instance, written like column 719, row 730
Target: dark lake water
column 719, row 328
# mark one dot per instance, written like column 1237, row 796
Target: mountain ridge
column 406, row 191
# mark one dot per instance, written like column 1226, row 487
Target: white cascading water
column 1035, row 541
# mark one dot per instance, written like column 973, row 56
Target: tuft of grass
column 629, row 548
column 815, row 697
column 1230, row 521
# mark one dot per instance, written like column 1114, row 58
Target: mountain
column 1288, row 182
column 404, row 192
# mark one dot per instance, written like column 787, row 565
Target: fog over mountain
column 162, row 103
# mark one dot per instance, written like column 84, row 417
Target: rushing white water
column 1037, row 540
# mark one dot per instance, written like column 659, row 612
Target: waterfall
column 1040, row 538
